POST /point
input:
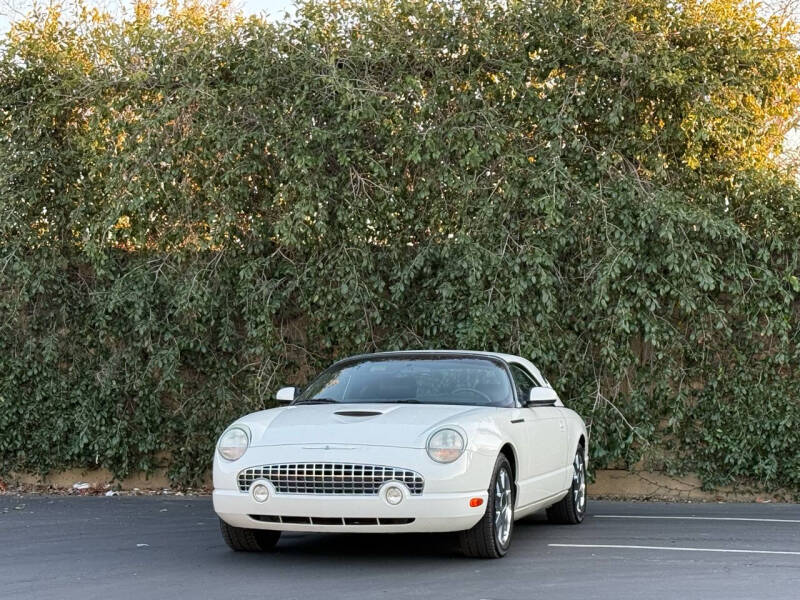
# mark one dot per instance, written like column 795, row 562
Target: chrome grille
column 330, row 478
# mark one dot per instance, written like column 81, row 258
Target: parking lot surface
column 170, row 547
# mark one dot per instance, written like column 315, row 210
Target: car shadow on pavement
column 378, row 547
column 369, row 546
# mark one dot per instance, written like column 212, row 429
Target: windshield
column 429, row 380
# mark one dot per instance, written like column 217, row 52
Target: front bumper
column 443, row 506
column 430, row 512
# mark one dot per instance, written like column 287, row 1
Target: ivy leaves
column 197, row 208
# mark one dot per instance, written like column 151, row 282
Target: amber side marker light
column 473, row 502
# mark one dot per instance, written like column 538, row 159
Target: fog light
column 394, row 495
column 260, row 492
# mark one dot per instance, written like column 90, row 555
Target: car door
column 545, row 445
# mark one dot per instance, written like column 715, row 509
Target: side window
column 523, row 381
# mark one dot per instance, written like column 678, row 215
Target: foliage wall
column 196, row 207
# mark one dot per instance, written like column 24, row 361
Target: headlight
column 446, row 445
column 233, row 443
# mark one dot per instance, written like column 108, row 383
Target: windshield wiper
column 398, row 401
column 316, row 401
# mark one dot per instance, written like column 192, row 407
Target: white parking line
column 697, row 518
column 731, row 550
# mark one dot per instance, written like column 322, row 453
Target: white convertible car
column 392, row 442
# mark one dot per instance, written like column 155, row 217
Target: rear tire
column 491, row 536
column 248, row 540
column 572, row 507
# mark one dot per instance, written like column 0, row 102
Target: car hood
column 398, row 425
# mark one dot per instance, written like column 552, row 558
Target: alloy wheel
column 579, row 483
column 503, row 507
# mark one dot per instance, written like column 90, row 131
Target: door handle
column 562, row 425
column 517, row 420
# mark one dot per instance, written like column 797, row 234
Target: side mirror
column 286, row 394
column 542, row 396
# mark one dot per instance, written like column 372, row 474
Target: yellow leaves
column 554, row 77
column 51, row 23
column 143, row 10
column 119, row 143
column 124, row 222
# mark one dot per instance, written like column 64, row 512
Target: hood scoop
column 358, row 413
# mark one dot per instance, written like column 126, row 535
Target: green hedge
column 197, row 207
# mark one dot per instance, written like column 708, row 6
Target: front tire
column 572, row 507
column 491, row 536
column 248, row 540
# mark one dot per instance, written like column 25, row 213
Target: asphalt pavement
column 170, row 547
